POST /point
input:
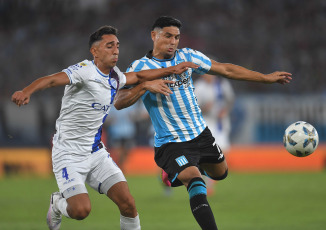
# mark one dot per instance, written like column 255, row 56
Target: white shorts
column 98, row 170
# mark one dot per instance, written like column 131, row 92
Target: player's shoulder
column 82, row 66
column 138, row 64
column 86, row 65
column 189, row 51
column 185, row 50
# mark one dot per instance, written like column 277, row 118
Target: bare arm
column 22, row 97
column 152, row 74
column 240, row 73
column 128, row 97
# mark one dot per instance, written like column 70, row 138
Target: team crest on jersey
column 113, row 83
column 83, row 64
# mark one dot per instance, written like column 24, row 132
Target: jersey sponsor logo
column 182, row 79
column 184, row 82
column 181, row 161
column 98, row 106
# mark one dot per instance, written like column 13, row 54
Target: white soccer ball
column 300, row 139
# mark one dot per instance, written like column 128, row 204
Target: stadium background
column 42, row 37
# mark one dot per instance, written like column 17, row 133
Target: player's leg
column 215, row 171
column 78, row 206
column 196, row 187
column 120, row 195
column 212, row 162
column 72, row 202
column 107, row 178
column 179, row 161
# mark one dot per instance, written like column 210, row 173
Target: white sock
column 128, row 223
column 61, row 206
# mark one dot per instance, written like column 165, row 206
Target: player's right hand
column 20, row 98
column 183, row 66
column 159, row 86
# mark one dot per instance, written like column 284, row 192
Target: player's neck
column 158, row 55
column 104, row 69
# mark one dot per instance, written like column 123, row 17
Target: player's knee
column 80, row 212
column 221, row 177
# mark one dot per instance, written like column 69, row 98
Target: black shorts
column 174, row 157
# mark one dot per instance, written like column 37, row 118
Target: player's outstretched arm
column 152, row 74
column 240, row 73
column 128, row 97
column 22, row 97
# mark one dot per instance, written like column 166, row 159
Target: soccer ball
column 300, row 139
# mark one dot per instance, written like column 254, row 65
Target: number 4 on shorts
column 65, row 173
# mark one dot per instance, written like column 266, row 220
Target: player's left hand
column 183, row 66
column 279, row 77
column 20, row 98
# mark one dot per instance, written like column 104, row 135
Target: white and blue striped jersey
column 85, row 105
column 177, row 117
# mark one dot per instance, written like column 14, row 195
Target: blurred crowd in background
column 40, row 37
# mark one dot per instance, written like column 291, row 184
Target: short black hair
column 97, row 35
column 166, row 21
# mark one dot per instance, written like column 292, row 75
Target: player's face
column 166, row 41
column 106, row 52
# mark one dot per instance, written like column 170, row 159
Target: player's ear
column 153, row 35
column 93, row 51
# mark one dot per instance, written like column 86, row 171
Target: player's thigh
column 105, row 174
column 215, row 170
column 71, row 180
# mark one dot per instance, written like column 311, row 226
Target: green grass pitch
column 268, row 201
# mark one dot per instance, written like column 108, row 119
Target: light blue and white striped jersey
column 177, row 117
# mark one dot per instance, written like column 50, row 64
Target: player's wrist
column 144, row 87
column 26, row 92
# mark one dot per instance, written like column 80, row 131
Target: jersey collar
column 150, row 56
column 100, row 72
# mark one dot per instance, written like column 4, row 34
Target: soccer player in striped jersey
column 78, row 155
column 184, row 146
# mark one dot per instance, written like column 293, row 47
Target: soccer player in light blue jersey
column 184, row 146
column 78, row 155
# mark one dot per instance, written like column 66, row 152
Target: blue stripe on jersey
column 179, row 119
column 171, row 120
column 156, row 118
column 98, row 135
column 197, row 109
column 180, row 114
column 138, row 68
column 188, row 107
